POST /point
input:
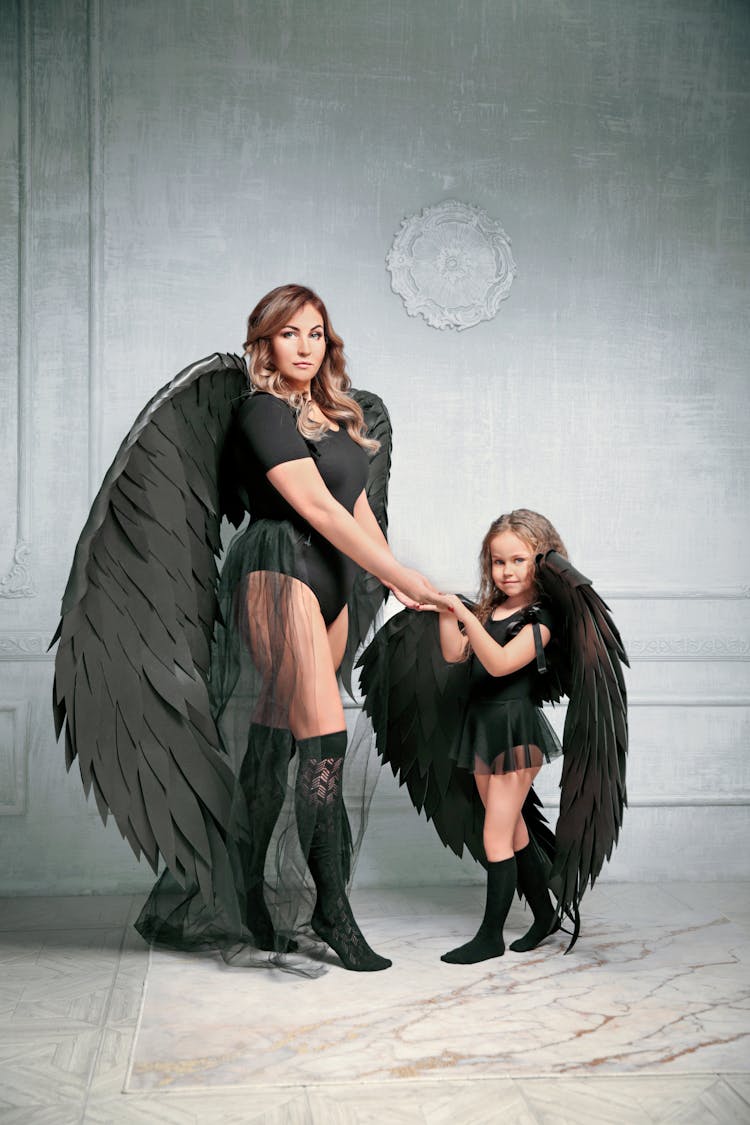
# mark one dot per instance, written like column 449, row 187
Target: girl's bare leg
column 503, row 822
column 503, row 796
column 532, row 883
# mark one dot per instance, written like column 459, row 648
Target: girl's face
column 512, row 562
column 299, row 347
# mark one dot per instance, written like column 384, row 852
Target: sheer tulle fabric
column 264, row 676
column 503, row 736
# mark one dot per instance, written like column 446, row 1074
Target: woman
column 298, row 457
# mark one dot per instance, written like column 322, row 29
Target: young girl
column 505, row 737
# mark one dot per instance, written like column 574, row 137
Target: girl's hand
column 453, row 605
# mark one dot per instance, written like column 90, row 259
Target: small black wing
column 595, row 737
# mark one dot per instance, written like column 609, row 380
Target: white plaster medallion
column 451, row 264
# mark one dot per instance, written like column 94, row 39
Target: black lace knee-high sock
column 262, row 780
column 533, row 886
column 319, row 810
column 488, row 940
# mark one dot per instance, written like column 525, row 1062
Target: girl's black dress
column 504, row 728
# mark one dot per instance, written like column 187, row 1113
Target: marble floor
column 647, row 1020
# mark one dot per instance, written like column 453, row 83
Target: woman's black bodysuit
column 265, row 434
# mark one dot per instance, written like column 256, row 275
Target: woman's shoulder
column 262, row 403
column 259, row 410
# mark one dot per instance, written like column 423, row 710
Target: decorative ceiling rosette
column 451, row 264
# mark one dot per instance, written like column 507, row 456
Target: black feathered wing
column 416, row 702
column 136, row 624
column 595, row 736
column 368, row 593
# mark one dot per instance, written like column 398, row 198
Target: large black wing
column 136, row 623
column 595, row 737
column 368, row 593
column 416, row 701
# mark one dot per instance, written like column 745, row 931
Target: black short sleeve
column 267, row 427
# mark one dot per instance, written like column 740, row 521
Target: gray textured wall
column 163, row 164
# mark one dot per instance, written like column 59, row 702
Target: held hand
column 453, row 604
column 414, row 590
column 400, row 596
column 422, row 607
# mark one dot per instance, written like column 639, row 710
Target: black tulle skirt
column 258, row 659
column 500, row 736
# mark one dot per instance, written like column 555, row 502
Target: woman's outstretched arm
column 302, row 486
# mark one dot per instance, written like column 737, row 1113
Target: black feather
column 368, row 593
column 595, row 736
column 135, row 631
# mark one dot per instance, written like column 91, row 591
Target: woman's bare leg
column 338, row 631
column 301, row 684
column 293, row 652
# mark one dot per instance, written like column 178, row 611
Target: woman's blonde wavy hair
column 329, row 386
column 535, row 530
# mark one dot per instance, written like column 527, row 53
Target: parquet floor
column 72, row 973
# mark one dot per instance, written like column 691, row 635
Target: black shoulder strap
column 541, row 663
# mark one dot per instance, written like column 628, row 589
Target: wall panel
column 163, row 165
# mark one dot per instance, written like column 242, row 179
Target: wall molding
column 21, row 646
column 671, row 648
column 675, row 647
column 18, row 582
column 718, row 594
column 642, row 701
column 685, row 701
column 13, row 767
column 648, row 801
column 25, row 645
column 95, row 237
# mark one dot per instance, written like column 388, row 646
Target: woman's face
column 512, row 565
column 299, row 347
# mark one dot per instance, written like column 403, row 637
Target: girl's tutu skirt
column 504, row 736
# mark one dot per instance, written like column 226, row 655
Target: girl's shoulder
column 541, row 612
column 538, row 612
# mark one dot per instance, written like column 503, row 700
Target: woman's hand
column 414, row 590
column 400, row 596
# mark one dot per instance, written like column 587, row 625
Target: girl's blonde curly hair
column 535, row 530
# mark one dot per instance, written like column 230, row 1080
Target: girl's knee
column 520, row 835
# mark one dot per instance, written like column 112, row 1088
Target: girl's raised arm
column 452, row 640
column 498, row 660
